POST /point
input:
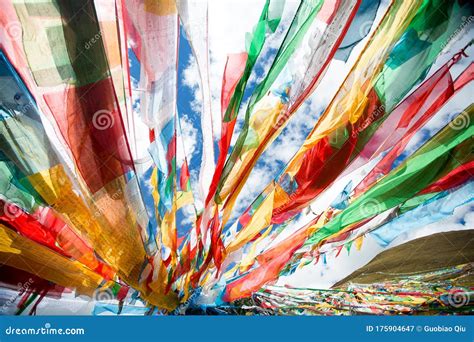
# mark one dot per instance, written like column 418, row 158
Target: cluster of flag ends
column 82, row 210
column 414, row 294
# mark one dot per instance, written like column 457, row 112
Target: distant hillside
column 421, row 255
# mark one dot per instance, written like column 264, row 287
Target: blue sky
column 189, row 114
column 283, row 148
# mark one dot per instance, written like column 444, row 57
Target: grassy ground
column 418, row 256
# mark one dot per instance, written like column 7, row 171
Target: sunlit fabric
column 153, row 161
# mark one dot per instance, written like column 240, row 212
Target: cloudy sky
column 227, row 35
column 229, row 21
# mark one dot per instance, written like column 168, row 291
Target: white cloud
column 323, row 276
column 447, row 113
column 187, row 146
column 192, row 80
column 138, row 132
column 225, row 38
column 254, row 185
column 194, row 177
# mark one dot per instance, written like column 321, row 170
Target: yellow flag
column 260, row 219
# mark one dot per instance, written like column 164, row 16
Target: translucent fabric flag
column 194, row 18
column 186, row 215
column 12, row 47
column 419, row 46
column 364, row 105
column 108, row 18
column 354, row 232
column 420, row 209
column 91, row 125
column 270, row 263
column 152, row 32
column 89, row 79
column 15, row 189
column 233, row 92
column 255, row 224
column 454, row 178
column 434, row 210
column 22, row 253
column 21, row 127
column 268, row 22
column 303, row 169
column 294, row 185
column 359, row 29
column 15, row 279
column 152, row 29
column 412, row 112
column 435, row 158
column 416, row 109
column 155, row 28
column 310, row 45
column 49, row 230
column 304, row 17
column 396, row 188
